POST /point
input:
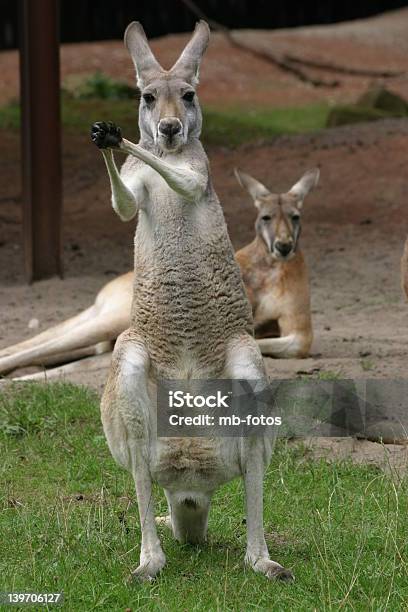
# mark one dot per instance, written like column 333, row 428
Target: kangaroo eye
column 188, row 96
column 148, row 98
column 295, row 217
column 266, row 218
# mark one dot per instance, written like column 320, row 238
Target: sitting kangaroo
column 190, row 315
column 274, row 270
column 274, row 274
column 404, row 269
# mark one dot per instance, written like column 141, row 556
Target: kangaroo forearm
column 185, row 181
column 123, row 201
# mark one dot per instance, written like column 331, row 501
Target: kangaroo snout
column 283, row 248
column 170, row 126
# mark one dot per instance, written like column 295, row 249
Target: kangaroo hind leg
column 126, row 411
column 244, row 361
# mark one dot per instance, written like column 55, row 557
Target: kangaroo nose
column 170, row 126
column 284, row 248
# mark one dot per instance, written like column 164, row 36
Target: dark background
column 83, row 20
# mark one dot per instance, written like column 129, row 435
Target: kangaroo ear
column 255, row 189
column 187, row 66
column 147, row 67
column 308, row 182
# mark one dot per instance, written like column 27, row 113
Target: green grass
column 232, row 127
column 10, row 116
column 227, row 127
column 98, row 85
column 68, row 522
column 367, row 365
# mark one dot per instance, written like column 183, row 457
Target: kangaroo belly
column 189, row 463
column 188, row 298
column 188, row 302
column 183, row 342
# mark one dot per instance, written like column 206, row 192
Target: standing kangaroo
column 190, row 315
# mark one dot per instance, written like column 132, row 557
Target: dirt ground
column 354, row 225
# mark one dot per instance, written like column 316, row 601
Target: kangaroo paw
column 106, row 135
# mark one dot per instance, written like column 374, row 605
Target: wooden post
column 41, row 137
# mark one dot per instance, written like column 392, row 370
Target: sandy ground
column 354, row 225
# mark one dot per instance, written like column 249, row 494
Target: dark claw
column 106, row 134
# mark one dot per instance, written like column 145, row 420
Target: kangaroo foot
column 164, row 521
column 270, row 569
column 150, row 565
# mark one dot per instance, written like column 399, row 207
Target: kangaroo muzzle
column 283, row 249
column 170, row 132
column 169, row 127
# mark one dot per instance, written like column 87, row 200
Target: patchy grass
column 10, row 116
column 99, row 86
column 367, row 365
column 69, row 523
column 318, row 374
column 329, row 375
column 227, row 127
column 232, row 127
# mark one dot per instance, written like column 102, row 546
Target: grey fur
column 190, row 315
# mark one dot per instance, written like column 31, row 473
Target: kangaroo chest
column 266, row 289
column 270, row 303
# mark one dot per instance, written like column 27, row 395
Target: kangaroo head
column 278, row 220
column 169, row 112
